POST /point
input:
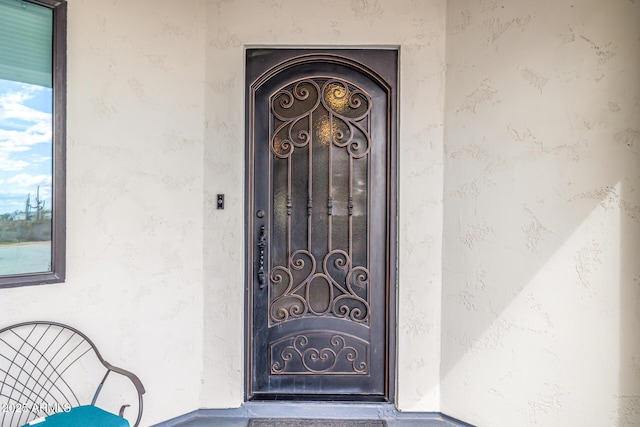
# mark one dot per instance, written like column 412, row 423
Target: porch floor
column 239, row 422
column 239, row 417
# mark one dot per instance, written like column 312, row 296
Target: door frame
column 363, row 59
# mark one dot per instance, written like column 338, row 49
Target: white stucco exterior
column 541, row 295
column 519, row 198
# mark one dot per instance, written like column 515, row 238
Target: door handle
column 262, row 243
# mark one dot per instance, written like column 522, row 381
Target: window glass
column 31, row 145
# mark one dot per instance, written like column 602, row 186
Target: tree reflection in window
column 32, row 147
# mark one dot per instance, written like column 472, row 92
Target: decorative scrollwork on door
column 319, row 353
column 344, row 301
column 347, row 107
column 320, row 142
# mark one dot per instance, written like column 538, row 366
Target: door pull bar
column 262, row 243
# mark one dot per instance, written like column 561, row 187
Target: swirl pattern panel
column 320, row 352
column 320, row 142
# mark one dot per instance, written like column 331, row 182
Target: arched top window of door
column 325, row 58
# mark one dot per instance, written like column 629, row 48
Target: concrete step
column 239, row 417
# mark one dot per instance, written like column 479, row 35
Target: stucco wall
column 541, row 302
column 417, row 27
column 156, row 130
column 541, row 296
column 134, row 195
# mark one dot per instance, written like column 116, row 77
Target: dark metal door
column 320, row 223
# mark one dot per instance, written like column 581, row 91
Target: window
column 32, row 141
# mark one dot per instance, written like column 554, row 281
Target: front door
column 320, row 223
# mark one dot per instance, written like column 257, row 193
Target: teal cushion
column 83, row 416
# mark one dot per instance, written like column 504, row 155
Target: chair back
column 48, row 367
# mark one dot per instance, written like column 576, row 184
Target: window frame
column 58, row 226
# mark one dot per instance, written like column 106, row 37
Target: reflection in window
column 25, row 178
column 31, row 141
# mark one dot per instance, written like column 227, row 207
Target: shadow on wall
column 541, row 294
column 629, row 372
